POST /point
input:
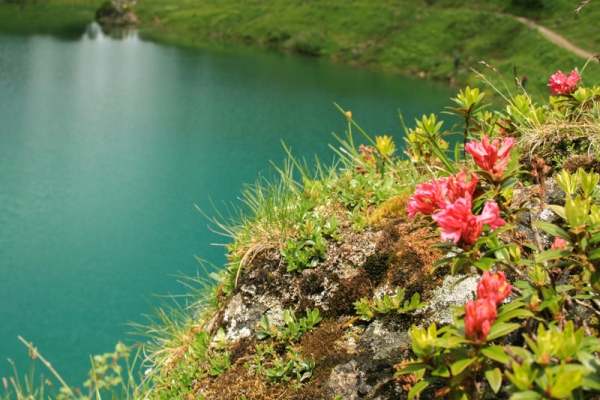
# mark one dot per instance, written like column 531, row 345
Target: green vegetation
column 62, row 18
column 548, row 289
column 417, row 38
column 411, row 37
column 539, row 279
column 369, row 309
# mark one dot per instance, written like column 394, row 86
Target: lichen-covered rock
column 454, row 291
column 354, row 359
column 529, row 199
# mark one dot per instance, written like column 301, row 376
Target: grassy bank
column 59, row 18
column 416, row 38
column 411, row 37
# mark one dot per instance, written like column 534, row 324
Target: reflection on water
column 96, row 32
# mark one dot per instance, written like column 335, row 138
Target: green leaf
column 521, row 352
column 484, row 264
column 440, row 263
column 494, row 377
column 552, row 255
column 411, row 367
column 552, row 229
column 501, row 329
column 518, row 313
column 594, row 254
column 595, row 238
column 418, row 388
column 496, row 353
column 515, row 304
column 461, row 365
column 526, row 395
column 558, row 210
column 456, row 265
column 442, row 371
column 591, row 382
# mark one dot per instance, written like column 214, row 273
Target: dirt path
column 555, row 37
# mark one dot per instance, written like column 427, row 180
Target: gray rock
column 345, row 381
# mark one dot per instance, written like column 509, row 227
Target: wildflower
column 490, row 156
column 457, row 186
column 493, row 286
column 561, row 84
column 559, row 244
column 459, row 224
column 479, row 317
column 349, row 115
column 491, row 215
column 427, row 198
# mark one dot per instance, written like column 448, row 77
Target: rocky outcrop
column 111, row 16
column 354, row 355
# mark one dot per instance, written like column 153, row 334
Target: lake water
column 107, row 144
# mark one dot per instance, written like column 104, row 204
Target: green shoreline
column 415, row 39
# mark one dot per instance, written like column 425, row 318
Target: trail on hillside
column 554, row 37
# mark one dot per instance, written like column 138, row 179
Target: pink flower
column 493, row 286
column 559, row 244
column 489, row 157
column 491, row 215
column 427, row 198
column 459, row 224
column 435, row 195
column 457, row 186
column 561, row 84
column 479, row 317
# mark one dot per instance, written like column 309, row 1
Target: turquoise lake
column 107, row 145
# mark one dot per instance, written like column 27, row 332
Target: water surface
column 106, row 145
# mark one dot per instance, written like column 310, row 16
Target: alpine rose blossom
column 493, row 286
column 435, row 195
column 491, row 157
column 479, row 317
column 561, row 84
column 460, row 225
column 457, row 186
column 491, row 215
column 427, row 198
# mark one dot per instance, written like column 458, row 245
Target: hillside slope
column 418, row 38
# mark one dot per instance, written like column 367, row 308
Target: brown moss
column 320, row 344
column 411, row 264
column 587, row 163
column 349, row 291
column 241, row 349
column 238, row 382
column 376, row 266
column 390, row 236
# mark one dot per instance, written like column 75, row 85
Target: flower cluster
column 481, row 314
column 491, row 157
column 458, row 222
column 562, row 84
column 449, row 202
column 437, row 194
